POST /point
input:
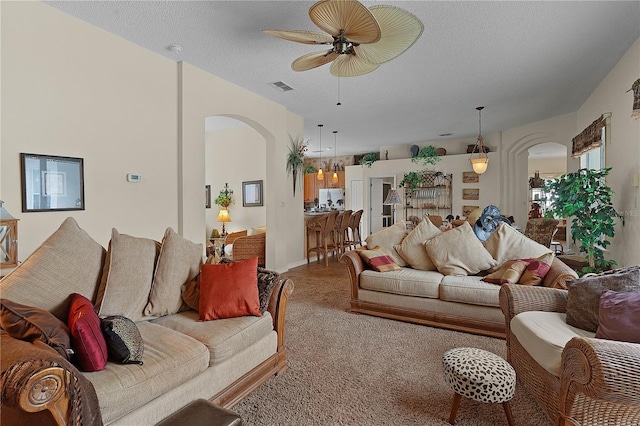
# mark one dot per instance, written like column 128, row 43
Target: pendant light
column 480, row 162
column 334, row 178
column 320, row 174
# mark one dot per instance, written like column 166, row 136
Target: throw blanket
column 20, row 360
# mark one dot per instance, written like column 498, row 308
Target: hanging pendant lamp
column 320, row 174
column 334, row 178
column 481, row 161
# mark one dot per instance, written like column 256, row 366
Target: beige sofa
column 184, row 359
column 442, row 297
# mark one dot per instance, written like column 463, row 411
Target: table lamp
column 223, row 216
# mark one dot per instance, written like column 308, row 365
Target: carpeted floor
column 347, row 369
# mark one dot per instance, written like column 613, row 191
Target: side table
column 202, row 412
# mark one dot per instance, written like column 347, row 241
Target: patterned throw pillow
column 583, row 298
column 387, row 238
column 378, row 259
column 537, row 269
column 124, row 342
column 509, row 272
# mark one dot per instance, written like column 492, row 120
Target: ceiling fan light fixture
column 481, row 161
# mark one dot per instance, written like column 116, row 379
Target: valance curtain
column 590, row 138
column 636, row 100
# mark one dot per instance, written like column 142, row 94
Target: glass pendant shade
column 320, row 174
column 479, row 164
column 481, row 161
column 334, row 178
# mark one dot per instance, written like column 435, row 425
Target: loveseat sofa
column 437, row 276
column 184, row 359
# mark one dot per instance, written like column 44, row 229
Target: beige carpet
column 347, row 369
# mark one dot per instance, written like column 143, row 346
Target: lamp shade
column 479, row 164
column 392, row 197
column 223, row 216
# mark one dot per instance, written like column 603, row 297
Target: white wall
column 71, row 89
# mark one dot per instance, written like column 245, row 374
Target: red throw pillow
column 86, row 335
column 619, row 315
column 229, row 290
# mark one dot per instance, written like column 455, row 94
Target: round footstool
column 479, row 375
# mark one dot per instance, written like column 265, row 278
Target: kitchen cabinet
column 312, row 185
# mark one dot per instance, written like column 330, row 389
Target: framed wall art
column 466, row 210
column 470, row 193
column 207, row 196
column 51, row 183
column 252, row 193
column 470, row 177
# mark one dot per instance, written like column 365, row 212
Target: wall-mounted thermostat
column 133, row 177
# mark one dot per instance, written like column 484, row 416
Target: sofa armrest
column 559, row 274
column 516, row 298
column 355, row 266
column 603, row 370
column 277, row 307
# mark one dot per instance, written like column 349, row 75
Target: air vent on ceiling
column 281, row 85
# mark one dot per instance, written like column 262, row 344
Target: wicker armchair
column 251, row 246
column 600, row 379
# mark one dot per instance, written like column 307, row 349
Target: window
column 594, row 159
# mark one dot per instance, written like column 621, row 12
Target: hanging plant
column 295, row 159
column 225, row 198
column 585, row 197
column 411, row 181
column 427, row 155
column 369, row 159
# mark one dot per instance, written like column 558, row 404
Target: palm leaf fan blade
column 352, row 17
column 400, row 30
column 300, row 36
column 313, row 60
column 351, row 66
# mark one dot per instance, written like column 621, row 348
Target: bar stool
column 354, row 226
column 342, row 231
column 323, row 229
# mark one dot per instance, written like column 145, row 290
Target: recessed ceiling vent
column 281, row 85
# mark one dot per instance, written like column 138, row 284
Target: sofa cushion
column 126, row 280
column 170, row 359
column 67, row 262
column 459, row 252
column 537, row 269
column 378, row 259
column 89, row 346
column 406, row 281
column 543, row 335
column 179, row 262
column 470, row 289
column 387, row 239
column 508, row 273
column 29, row 323
column 584, row 294
column 224, row 338
column 619, row 316
column 229, row 290
column 506, row 243
column 412, row 247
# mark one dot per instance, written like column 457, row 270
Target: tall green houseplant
column 585, row 197
column 295, row 159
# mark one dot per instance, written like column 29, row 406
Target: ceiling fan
column 361, row 39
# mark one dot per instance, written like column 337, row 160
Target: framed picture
column 252, row 193
column 207, row 196
column 51, row 183
column 470, row 193
column 466, row 210
column 470, row 177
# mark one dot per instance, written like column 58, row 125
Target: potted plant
column 585, row 197
column 295, row 159
column 225, row 198
column 427, row 155
column 411, row 181
column 369, row 159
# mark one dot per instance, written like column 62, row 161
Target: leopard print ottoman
column 479, row 375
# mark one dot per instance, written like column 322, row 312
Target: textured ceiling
column 524, row 61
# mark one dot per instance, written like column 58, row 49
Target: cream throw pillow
column 178, row 263
column 506, row 243
column 412, row 248
column 67, row 262
column 127, row 276
column 259, row 230
column 459, row 252
column 387, row 238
